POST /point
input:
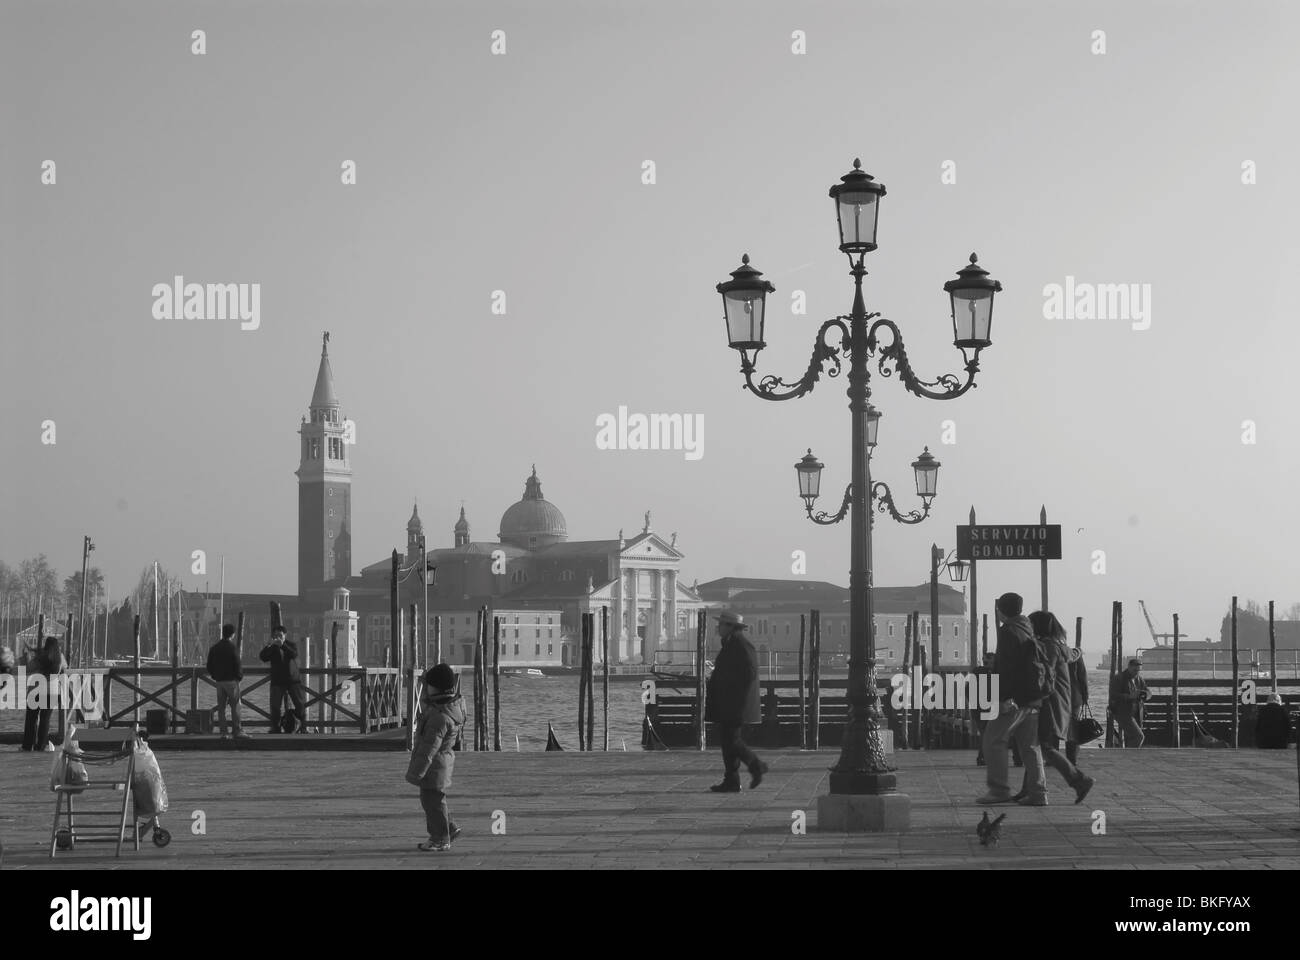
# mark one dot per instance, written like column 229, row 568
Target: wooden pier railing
column 674, row 718
column 354, row 700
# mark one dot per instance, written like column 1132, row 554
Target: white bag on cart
column 147, row 785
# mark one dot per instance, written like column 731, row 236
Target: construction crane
column 1161, row 639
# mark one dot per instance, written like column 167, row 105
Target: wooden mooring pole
column 604, row 660
column 582, row 684
column 135, row 646
column 176, row 662
column 816, row 670
column 1174, row 715
column 412, row 699
column 905, row 728
column 701, row 642
column 496, row 684
column 803, row 716
column 1236, row 680
column 334, row 677
column 591, row 681
column 1272, row 650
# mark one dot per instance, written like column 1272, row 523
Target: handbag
column 1087, row 728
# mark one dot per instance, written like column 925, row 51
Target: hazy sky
column 523, row 173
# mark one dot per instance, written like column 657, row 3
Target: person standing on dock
column 433, row 759
column 286, row 678
column 1128, row 691
column 1078, row 702
column 1017, row 709
column 226, row 671
column 732, row 701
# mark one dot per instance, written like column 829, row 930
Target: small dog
column 990, row 831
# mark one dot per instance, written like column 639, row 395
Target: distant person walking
column 1055, row 717
column 1128, row 691
column 732, row 701
column 432, row 760
column 226, row 672
column 286, row 678
column 1078, row 702
column 36, row 723
column 1018, row 709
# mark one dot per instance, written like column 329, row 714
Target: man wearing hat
column 1128, row 691
column 732, row 701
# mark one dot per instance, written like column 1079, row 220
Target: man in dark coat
column 732, row 701
column 1017, row 711
column 286, row 678
column 1128, row 691
column 226, row 671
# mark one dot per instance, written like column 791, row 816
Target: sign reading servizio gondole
column 1040, row 541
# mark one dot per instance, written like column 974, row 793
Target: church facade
column 532, row 578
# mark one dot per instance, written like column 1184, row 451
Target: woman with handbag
column 1055, row 718
column 1084, row 728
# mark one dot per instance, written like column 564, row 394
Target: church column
column 671, row 577
column 635, row 652
column 617, row 638
column 657, row 613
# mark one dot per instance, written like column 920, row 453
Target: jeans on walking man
column 226, row 672
column 1017, row 710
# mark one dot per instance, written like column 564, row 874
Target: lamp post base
column 864, row 813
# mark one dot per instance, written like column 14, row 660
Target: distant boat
column 529, row 674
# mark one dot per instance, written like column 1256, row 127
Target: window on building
column 956, row 655
column 516, row 633
column 550, row 649
column 891, row 629
column 550, row 632
column 516, row 649
column 469, row 657
column 844, row 629
column 537, row 650
column 315, row 449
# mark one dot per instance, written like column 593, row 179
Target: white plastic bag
column 147, row 785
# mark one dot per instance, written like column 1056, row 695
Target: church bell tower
column 324, row 487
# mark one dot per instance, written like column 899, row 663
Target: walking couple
column 1043, row 688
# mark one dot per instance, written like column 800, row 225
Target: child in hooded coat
column 432, row 760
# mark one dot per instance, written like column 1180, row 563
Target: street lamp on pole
column 862, row 770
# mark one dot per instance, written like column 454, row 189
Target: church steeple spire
column 323, row 398
column 462, row 529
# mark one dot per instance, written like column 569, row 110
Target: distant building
column 536, row 580
column 773, row 609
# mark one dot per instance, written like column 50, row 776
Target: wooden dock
column 1190, row 809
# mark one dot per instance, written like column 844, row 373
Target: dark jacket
column 1272, row 727
column 1078, row 682
column 284, row 663
column 732, row 699
column 1127, row 694
column 1054, row 715
column 1012, row 635
column 432, row 760
column 223, row 662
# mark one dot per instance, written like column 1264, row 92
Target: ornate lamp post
column 863, row 783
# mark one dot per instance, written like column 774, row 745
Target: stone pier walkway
column 1194, row 809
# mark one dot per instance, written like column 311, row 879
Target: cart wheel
column 63, row 839
column 161, row 837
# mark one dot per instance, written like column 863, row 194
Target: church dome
column 533, row 522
